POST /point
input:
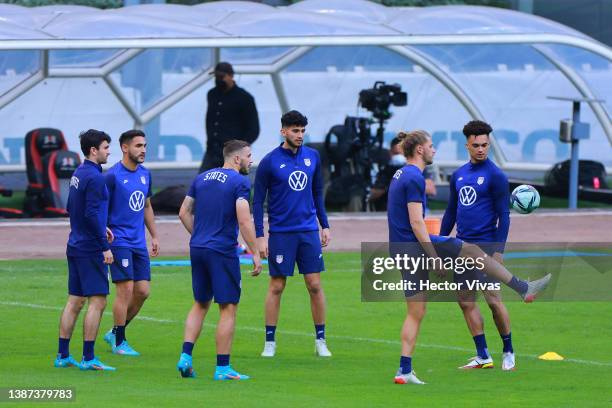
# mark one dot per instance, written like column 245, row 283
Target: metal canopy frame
column 401, row 44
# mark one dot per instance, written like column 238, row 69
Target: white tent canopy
column 460, row 48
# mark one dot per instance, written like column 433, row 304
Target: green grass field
column 364, row 338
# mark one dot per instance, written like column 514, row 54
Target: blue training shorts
column 87, row 275
column 287, row 248
column 445, row 247
column 130, row 264
column 214, row 274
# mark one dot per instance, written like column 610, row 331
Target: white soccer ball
column 525, row 199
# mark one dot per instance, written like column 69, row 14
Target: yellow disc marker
column 551, row 356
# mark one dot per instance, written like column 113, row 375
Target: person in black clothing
column 231, row 114
column 380, row 188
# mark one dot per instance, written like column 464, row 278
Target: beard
column 292, row 144
column 135, row 159
column 244, row 170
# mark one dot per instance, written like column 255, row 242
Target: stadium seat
column 58, row 168
column 38, row 143
column 8, row 212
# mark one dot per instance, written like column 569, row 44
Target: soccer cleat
column 477, row 362
column 269, row 349
column 228, row 373
column 409, row 378
column 95, row 365
column 65, row 362
column 508, row 362
column 321, row 349
column 125, row 349
column 185, row 366
column 109, row 337
column 533, row 288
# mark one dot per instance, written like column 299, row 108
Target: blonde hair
column 410, row 140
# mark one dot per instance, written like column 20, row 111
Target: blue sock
column 119, row 335
column 519, row 285
column 481, row 346
column 188, row 348
column 63, row 349
column 507, row 339
column 223, row 360
column 88, row 350
column 114, row 330
column 320, row 331
column 270, row 332
column 406, row 364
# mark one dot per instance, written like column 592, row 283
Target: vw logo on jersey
column 137, row 201
column 298, row 180
column 467, row 195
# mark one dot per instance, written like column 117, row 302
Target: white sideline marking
column 302, row 334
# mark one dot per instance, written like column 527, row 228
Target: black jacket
column 230, row 115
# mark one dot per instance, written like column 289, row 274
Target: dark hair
column 92, row 138
column 477, row 128
column 232, row 146
column 293, row 118
column 126, row 137
column 395, row 141
column 410, row 140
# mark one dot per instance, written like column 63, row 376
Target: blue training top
column 407, row 186
column 215, row 224
column 88, row 210
column 294, row 186
column 128, row 192
column 479, row 202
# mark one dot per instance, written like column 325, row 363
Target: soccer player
column 215, row 206
column 88, row 252
column 479, row 204
column 129, row 187
column 406, row 225
column 291, row 177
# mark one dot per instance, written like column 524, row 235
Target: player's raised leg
column 526, row 289
column 67, row 321
column 410, row 329
column 475, row 323
column 272, row 311
column 317, row 308
column 501, row 317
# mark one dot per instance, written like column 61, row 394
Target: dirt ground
column 39, row 239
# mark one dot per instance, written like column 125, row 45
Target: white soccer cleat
column 508, row 362
column 409, row 378
column 269, row 349
column 535, row 287
column 477, row 362
column 321, row 349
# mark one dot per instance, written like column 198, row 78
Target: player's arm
column 149, row 218
column 94, row 194
column 186, row 213
column 109, row 179
column 415, row 212
column 319, row 202
column 450, row 215
column 247, row 230
column 501, row 204
column 259, row 196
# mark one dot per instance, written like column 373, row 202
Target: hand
column 262, row 246
column 257, row 267
column 325, row 237
column 154, row 246
column 108, row 257
column 499, row 257
column 110, row 237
